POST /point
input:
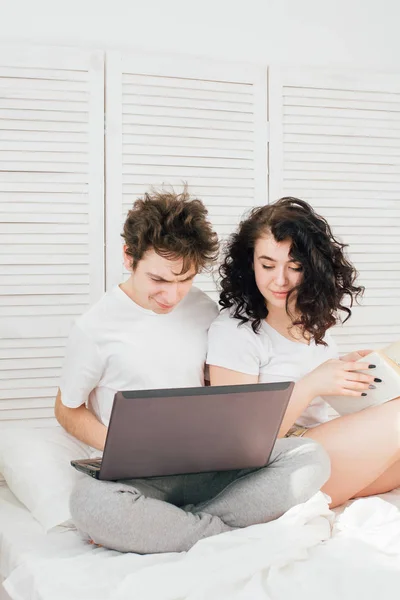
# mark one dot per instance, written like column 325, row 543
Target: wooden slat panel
column 27, row 413
column 147, row 144
column 196, row 181
column 188, row 83
column 204, row 124
column 43, row 73
column 151, row 112
column 49, row 270
column 341, row 116
column 351, row 129
column 190, row 100
column 216, row 124
column 51, row 161
column 344, row 141
column 28, row 422
column 30, row 124
column 153, row 94
column 131, row 172
column 51, row 108
column 53, row 253
column 7, row 376
column 341, row 104
column 179, row 130
column 21, row 135
column 167, row 149
column 49, row 288
column 41, row 218
column 339, row 141
column 341, row 94
column 18, row 404
column 74, row 309
column 143, row 161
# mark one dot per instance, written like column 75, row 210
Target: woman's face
column 275, row 271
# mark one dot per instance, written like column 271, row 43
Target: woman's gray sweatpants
column 170, row 514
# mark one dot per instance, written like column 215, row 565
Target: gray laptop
column 190, row 430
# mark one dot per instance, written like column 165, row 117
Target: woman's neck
column 283, row 324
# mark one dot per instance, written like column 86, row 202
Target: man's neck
column 128, row 288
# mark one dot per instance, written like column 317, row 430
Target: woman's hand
column 356, row 355
column 337, row 377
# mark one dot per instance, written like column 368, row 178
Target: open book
column 387, row 363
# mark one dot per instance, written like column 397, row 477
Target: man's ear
column 126, row 258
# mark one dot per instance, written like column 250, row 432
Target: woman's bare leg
column 364, row 448
column 388, row 481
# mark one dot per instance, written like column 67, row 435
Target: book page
column 393, row 352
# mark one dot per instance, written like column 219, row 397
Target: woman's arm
column 222, row 376
column 299, row 399
column 331, row 378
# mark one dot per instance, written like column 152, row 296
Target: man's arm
column 81, row 423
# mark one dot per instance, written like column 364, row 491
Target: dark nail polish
column 364, row 394
column 377, row 380
column 371, row 366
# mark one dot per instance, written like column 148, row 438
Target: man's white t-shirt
column 117, row 345
column 270, row 356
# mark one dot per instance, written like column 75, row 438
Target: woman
column 284, row 282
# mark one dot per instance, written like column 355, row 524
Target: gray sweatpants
column 170, row 514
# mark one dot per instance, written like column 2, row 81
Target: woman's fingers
column 354, row 376
column 355, row 366
column 358, row 381
column 348, row 392
column 356, row 385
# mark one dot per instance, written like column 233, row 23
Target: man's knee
column 96, row 505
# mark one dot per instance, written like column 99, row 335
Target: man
column 151, row 332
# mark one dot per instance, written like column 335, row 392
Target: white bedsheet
column 310, row 553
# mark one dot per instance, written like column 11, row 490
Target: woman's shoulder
column 226, row 321
column 234, row 345
column 229, row 327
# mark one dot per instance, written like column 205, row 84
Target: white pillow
column 36, row 466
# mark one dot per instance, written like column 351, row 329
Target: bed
column 309, row 553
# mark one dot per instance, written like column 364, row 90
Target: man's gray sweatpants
column 170, row 514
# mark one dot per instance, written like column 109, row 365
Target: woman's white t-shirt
column 270, row 356
column 118, row 345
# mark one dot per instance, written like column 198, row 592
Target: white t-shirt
column 269, row 355
column 118, row 345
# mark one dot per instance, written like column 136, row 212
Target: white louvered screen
column 174, row 120
column 335, row 141
column 51, row 217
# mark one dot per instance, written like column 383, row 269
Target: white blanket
column 309, row 553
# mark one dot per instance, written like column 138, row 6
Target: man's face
column 156, row 283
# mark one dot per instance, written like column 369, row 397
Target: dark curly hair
column 175, row 226
column 327, row 275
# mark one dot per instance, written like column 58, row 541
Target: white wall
column 354, row 33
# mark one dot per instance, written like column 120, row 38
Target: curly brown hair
column 327, row 274
column 175, row 226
